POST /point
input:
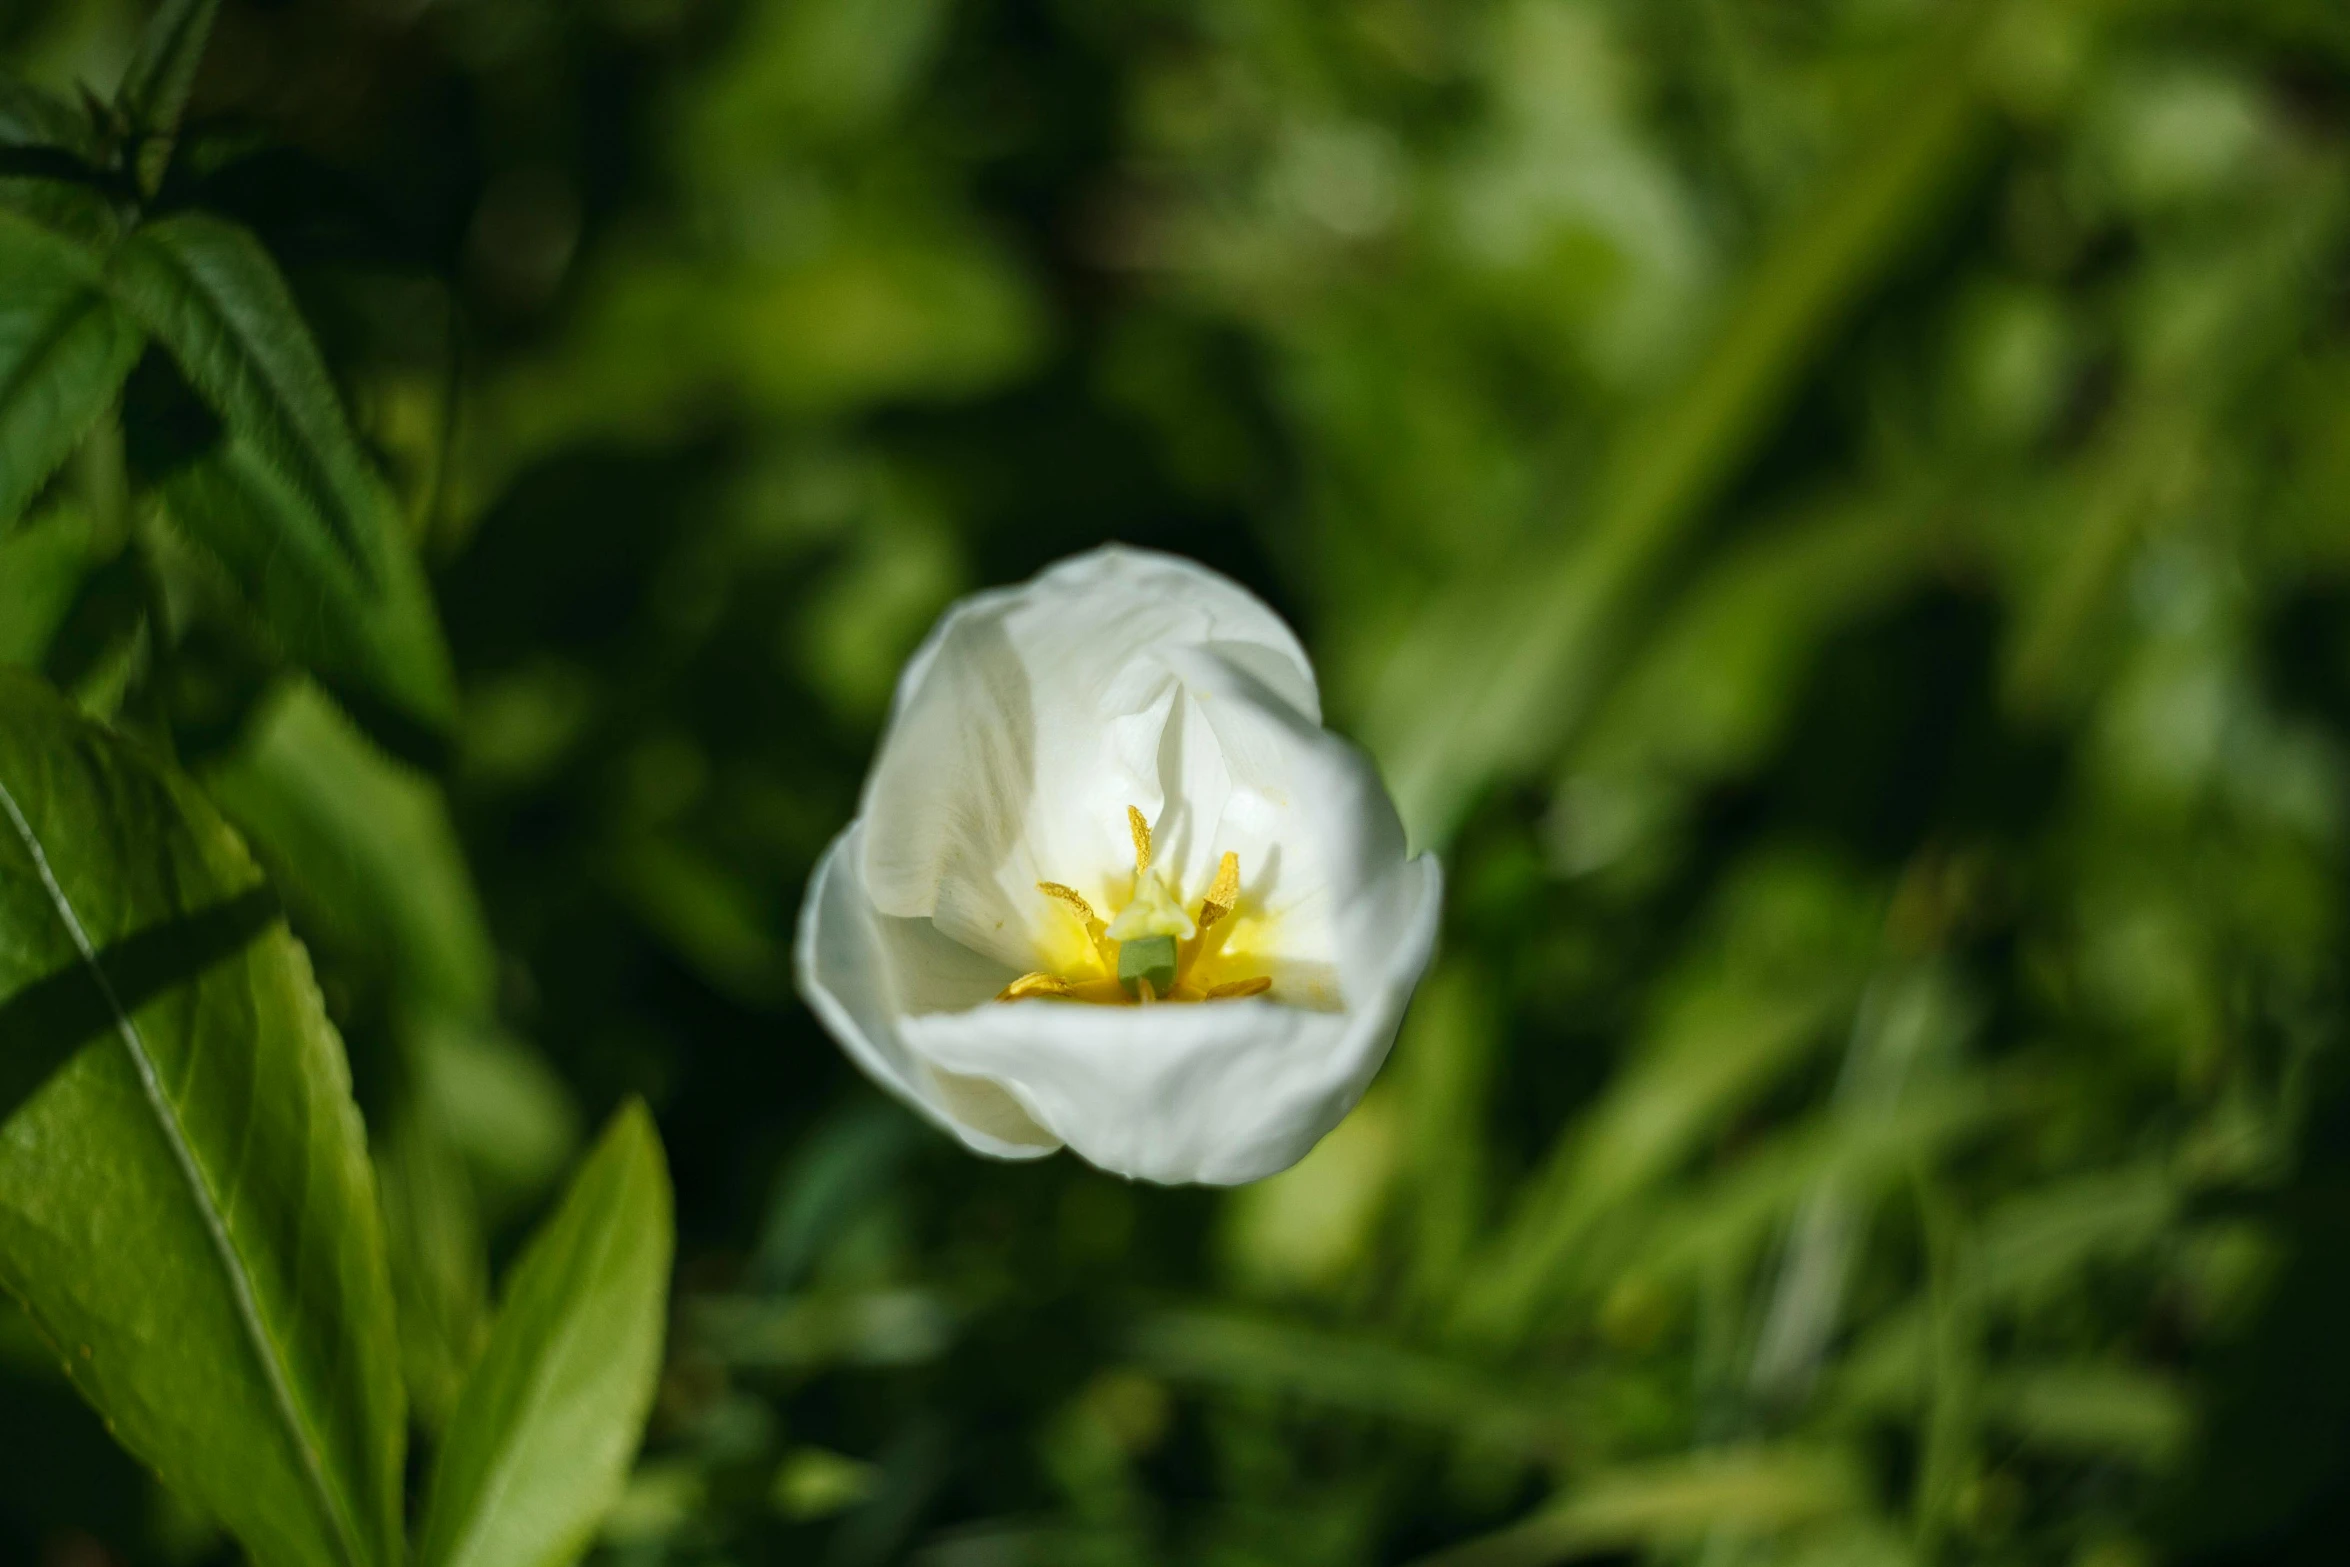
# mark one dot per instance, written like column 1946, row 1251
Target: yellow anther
column 1034, row 985
column 1224, row 894
column 1072, row 897
column 1119, row 970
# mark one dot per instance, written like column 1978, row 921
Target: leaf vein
column 257, row 1331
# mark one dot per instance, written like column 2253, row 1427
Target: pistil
column 1151, row 949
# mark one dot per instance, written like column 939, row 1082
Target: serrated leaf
column 185, row 1202
column 388, row 668
column 49, row 196
column 32, row 118
column 65, row 348
column 154, row 89
column 551, row 1416
column 290, row 505
column 214, row 298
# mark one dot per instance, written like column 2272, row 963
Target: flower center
column 1150, row 950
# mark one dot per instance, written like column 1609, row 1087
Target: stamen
column 1072, row 897
column 1151, row 952
column 1224, row 894
column 1034, row 985
column 1142, row 839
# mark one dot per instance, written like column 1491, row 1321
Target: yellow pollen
column 1224, row 894
column 1154, row 913
column 1034, row 985
column 1072, row 897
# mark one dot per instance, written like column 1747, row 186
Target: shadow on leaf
column 51, row 1019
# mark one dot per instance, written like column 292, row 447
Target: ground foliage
column 1830, row 513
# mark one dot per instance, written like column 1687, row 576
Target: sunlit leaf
column 185, row 1204
column 540, row 1443
column 1728, row 1495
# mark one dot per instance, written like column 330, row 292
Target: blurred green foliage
column 1834, row 515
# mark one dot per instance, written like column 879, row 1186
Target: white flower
column 1113, row 886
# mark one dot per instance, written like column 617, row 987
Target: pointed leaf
column 544, row 1431
column 440, row 1263
column 65, row 348
column 154, row 90
column 293, row 508
column 185, row 1203
column 30, row 117
column 54, row 206
column 364, row 851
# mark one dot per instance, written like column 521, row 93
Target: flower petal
column 1217, row 1092
column 1034, row 716
column 861, row 970
column 1029, row 723
column 1320, row 843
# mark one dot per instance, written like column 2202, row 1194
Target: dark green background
column 1880, row 1094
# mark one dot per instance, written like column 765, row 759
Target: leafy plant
column 271, row 489
column 190, row 1216
column 1829, row 513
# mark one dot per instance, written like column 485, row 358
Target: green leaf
column 30, row 117
column 65, row 348
column 154, row 90
column 499, row 1104
column 1502, row 665
column 185, row 1203
column 440, row 1263
column 550, row 1418
column 68, row 225
column 289, row 503
column 43, row 564
column 1260, row 1354
column 365, row 851
column 1730, row 1493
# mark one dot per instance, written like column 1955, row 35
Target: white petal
column 1034, row 716
column 1320, row 843
column 1027, row 724
column 861, row 970
column 1218, row 1092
